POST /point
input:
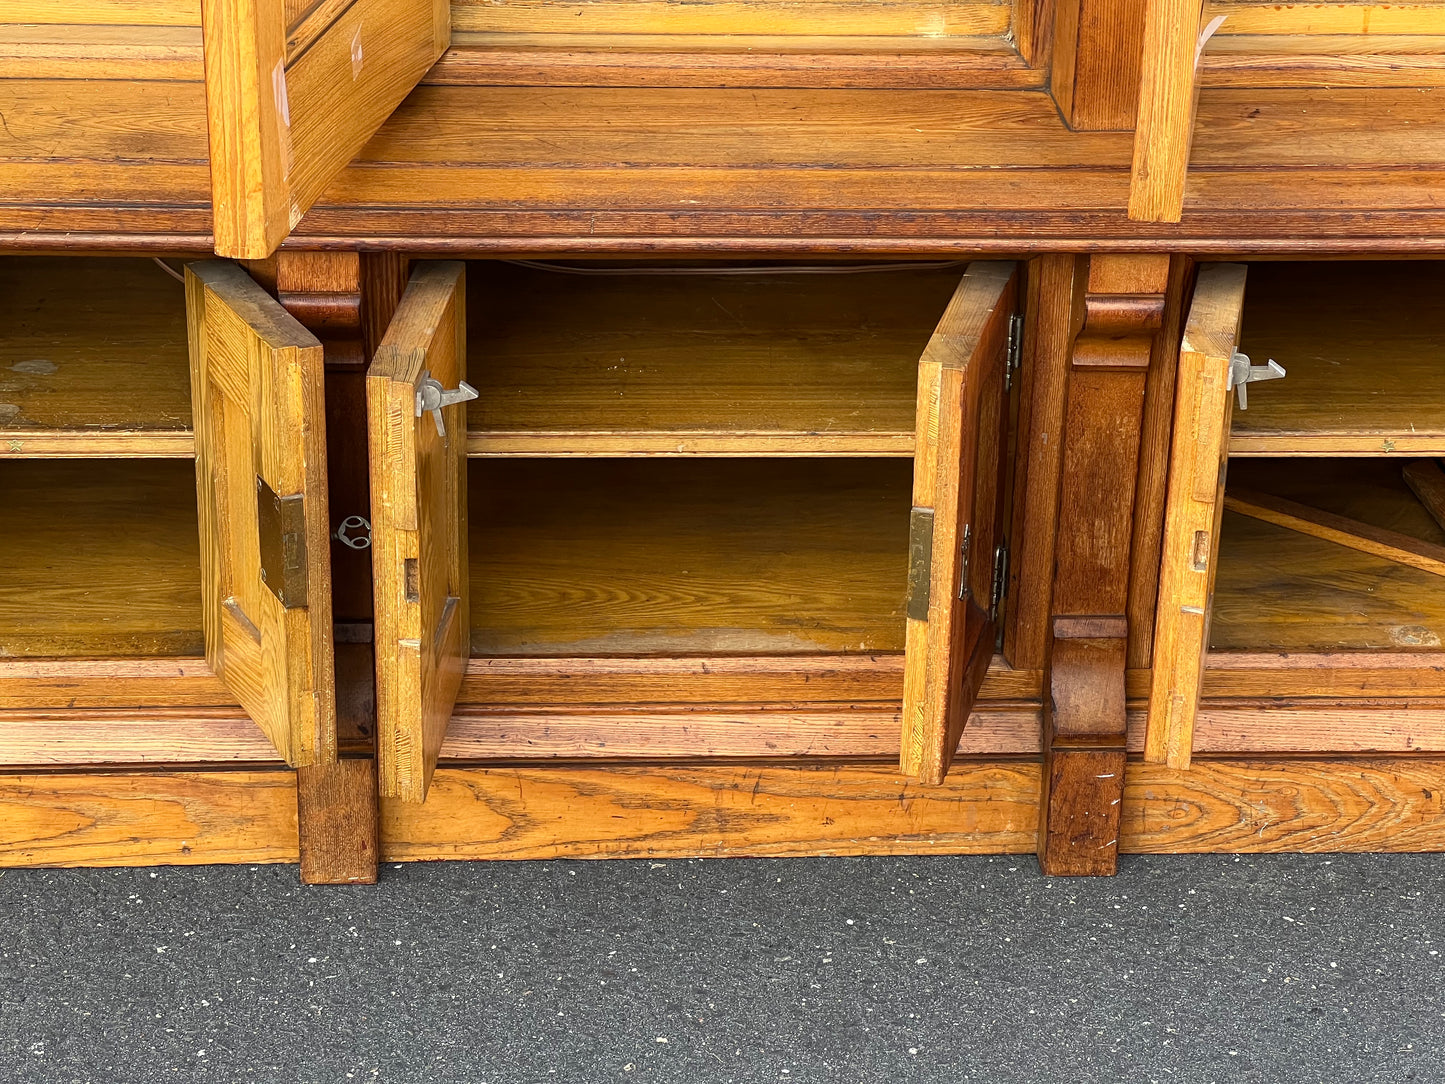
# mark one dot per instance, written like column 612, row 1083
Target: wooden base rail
column 657, row 811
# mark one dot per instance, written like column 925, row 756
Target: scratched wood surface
column 666, row 556
column 726, row 364
column 147, row 818
column 652, row 811
column 1347, row 804
column 1281, row 590
column 92, row 359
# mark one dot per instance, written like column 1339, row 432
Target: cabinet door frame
column 1198, row 460
column 419, row 529
column 294, row 89
column 258, row 402
column 957, row 518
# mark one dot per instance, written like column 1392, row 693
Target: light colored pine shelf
column 99, row 559
column 93, row 359
column 768, row 365
column 665, row 557
column 1364, row 348
column 1282, row 591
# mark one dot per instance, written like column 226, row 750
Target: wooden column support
column 1122, row 312
column 346, row 300
column 1094, row 68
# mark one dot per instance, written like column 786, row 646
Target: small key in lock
column 431, row 396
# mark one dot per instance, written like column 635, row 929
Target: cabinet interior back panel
column 99, row 558
column 1280, row 590
column 90, row 347
column 1363, row 346
column 668, row 556
column 812, row 362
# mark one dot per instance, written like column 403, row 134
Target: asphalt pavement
column 1183, row 969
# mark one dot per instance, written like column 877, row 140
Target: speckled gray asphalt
column 1181, row 969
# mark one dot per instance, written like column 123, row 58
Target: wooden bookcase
column 852, row 467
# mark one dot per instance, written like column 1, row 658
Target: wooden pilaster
column 1123, row 308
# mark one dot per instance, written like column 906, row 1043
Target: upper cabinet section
column 159, row 117
column 294, row 88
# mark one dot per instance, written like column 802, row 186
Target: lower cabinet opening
column 676, row 557
column 100, row 558
column 1325, row 555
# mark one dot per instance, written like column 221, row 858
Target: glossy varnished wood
column 545, row 812
column 147, row 818
column 1361, row 343
column 92, row 359
column 99, row 559
column 726, row 364
column 630, row 557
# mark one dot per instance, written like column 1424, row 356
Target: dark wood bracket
column 1119, row 317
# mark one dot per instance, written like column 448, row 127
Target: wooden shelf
column 809, row 364
column 639, row 557
column 93, row 359
column 1364, row 348
column 99, row 559
column 1280, row 590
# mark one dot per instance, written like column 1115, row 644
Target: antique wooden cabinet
column 729, row 428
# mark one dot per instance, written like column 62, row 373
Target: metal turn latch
column 1241, row 372
column 431, row 396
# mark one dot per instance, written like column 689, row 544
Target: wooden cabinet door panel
column 258, row 400
column 419, row 529
column 957, row 516
column 294, row 88
column 1198, row 457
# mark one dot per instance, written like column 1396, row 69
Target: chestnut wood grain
column 1280, row 590
column 147, row 818
column 694, row 364
column 1360, row 342
column 674, row 812
column 663, row 556
column 761, row 730
column 100, row 559
column 92, row 359
column 419, row 527
column 1271, row 806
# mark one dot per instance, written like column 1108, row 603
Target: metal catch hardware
column 1242, row 372
column 431, row 396
column 354, row 532
column 1015, row 349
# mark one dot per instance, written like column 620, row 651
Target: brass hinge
column 1015, row 349
column 920, row 562
column 281, row 523
column 1000, row 580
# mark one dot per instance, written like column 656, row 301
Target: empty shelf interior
column 1281, row 590
column 99, row 558
column 668, row 556
column 93, row 358
column 669, row 363
column 1363, row 345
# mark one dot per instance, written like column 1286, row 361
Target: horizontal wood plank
column 131, row 736
column 147, row 818
column 1392, row 804
column 661, row 812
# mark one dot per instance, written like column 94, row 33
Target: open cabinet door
column 1198, row 457
column 956, row 556
column 419, row 527
column 294, row 88
column 258, row 399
